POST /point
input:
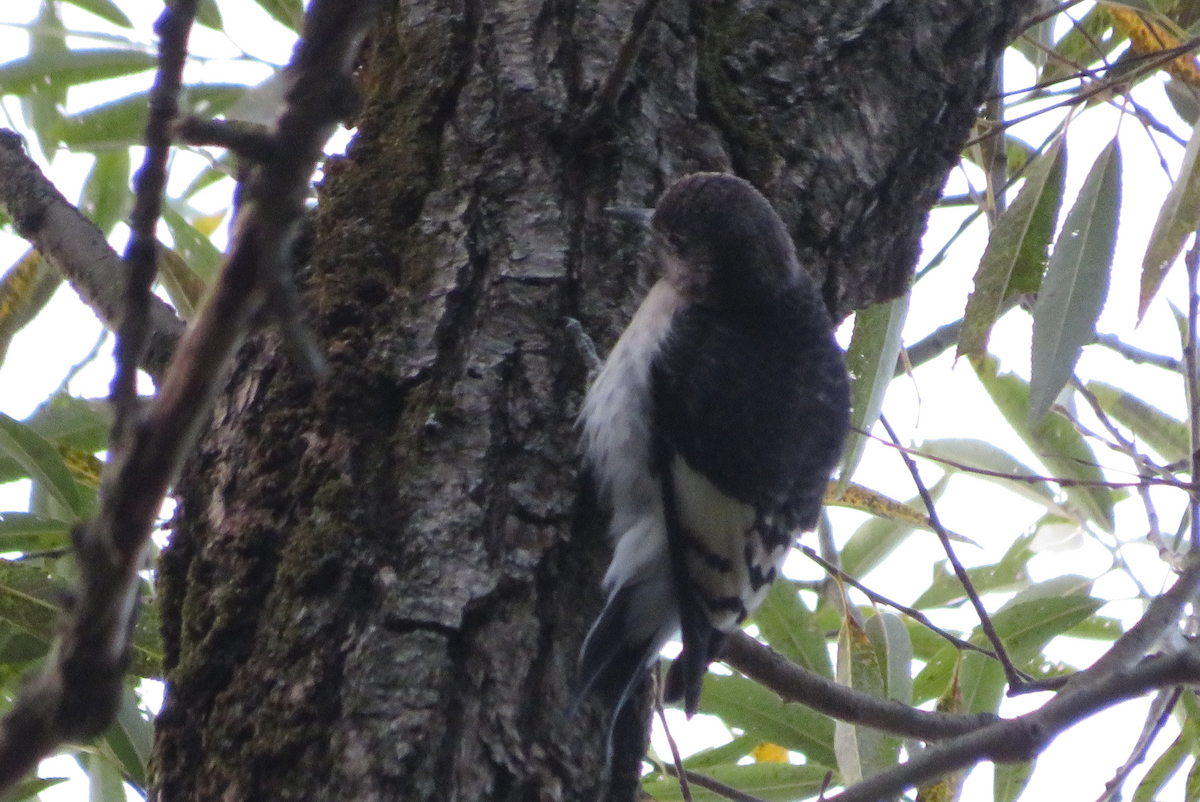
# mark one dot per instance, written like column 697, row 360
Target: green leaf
column 1004, row 576
column 889, row 636
column 871, row 360
column 289, row 13
column 131, row 738
column 41, row 106
column 1084, row 44
column 773, row 782
column 75, row 67
column 862, row 751
column 197, row 250
column 22, row 531
column 726, row 754
column 758, row 712
column 1165, row 434
column 28, row 597
column 67, row 423
column 1055, row 441
column 1015, row 256
column 982, row 681
column 41, row 463
column 1010, row 780
column 1026, row 627
column 104, row 780
column 1076, row 282
column 105, row 10
column 1097, row 627
column 1176, row 221
column 877, row 538
column 979, row 456
column 1167, row 765
column 122, row 122
column 209, row 15
column 791, row 629
column 107, row 197
column 29, row 789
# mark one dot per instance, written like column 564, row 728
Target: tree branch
column 795, row 684
column 74, row 696
column 1023, row 738
column 74, row 245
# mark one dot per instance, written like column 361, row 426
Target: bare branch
column 74, row 245
column 795, row 684
column 74, row 696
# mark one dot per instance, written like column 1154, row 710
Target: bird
column 711, row 432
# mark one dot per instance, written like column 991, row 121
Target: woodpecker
column 711, row 431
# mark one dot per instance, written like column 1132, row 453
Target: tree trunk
column 377, row 585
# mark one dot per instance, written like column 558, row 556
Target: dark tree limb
column 75, row 695
column 795, row 684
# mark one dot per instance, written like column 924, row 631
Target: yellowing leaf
column 1153, row 36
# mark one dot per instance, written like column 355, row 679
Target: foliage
column 1101, row 57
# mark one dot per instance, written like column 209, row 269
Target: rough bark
column 377, row 586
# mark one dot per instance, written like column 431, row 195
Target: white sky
column 943, row 400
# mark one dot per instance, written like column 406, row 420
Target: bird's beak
column 631, row 214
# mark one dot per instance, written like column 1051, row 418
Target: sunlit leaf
column 1153, row 33
column 1076, row 282
column 871, row 360
column 1017, row 249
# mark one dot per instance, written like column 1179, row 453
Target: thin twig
column 1016, row 678
column 614, row 83
column 709, row 784
column 1192, row 262
column 914, row 614
column 1156, row 719
column 681, row 773
column 1113, row 343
